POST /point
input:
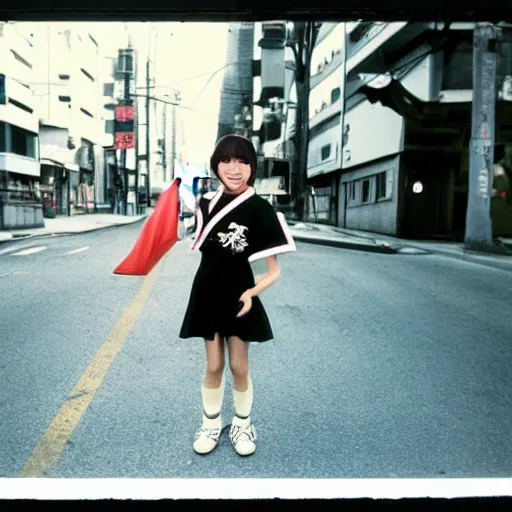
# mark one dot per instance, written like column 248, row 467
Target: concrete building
column 407, row 127
column 71, row 74
column 20, row 204
column 390, row 124
column 237, row 87
column 273, row 115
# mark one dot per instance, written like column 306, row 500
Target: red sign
column 125, row 113
column 124, row 140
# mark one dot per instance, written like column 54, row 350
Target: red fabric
column 158, row 235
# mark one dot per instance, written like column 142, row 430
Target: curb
column 383, row 249
column 70, row 233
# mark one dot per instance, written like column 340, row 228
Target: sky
column 185, row 57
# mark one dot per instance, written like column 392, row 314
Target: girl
column 234, row 228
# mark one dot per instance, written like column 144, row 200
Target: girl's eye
column 245, row 162
column 225, row 160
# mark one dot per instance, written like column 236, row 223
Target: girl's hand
column 246, row 300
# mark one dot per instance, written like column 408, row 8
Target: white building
column 407, row 128
column 390, row 114
column 70, row 85
column 19, row 126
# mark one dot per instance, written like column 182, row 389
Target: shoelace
column 213, row 433
column 237, row 433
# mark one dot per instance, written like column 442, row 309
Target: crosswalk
column 27, row 250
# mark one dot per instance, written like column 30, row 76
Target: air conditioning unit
column 125, row 61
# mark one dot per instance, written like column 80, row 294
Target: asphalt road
column 383, row 366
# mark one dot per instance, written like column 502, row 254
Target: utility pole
column 478, row 234
column 164, row 142
column 148, row 151
column 127, row 102
column 174, row 112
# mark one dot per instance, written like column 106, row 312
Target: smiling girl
column 234, row 228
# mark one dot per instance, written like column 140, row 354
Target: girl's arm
column 268, row 279
column 262, row 283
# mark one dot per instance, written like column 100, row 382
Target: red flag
column 158, row 235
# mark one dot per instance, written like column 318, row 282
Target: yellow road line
column 54, row 439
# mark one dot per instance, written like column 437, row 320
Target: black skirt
column 213, row 303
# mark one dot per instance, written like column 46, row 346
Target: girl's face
column 234, row 173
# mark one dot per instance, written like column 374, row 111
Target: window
column 65, row 99
column 326, row 152
column 3, row 138
column 108, row 90
column 381, row 185
column 458, row 62
column 23, row 142
column 64, row 77
column 365, row 190
column 335, row 94
column 384, row 185
column 87, row 74
column 21, row 105
column 19, row 58
column 352, row 191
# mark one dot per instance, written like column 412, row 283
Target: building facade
column 390, row 126
column 20, row 204
column 407, row 128
column 237, row 85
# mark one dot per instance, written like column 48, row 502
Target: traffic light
column 3, row 98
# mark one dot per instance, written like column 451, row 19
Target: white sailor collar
column 203, row 230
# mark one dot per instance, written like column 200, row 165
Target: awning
column 67, row 165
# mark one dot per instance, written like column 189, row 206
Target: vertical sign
column 124, row 135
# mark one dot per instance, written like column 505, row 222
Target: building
column 71, row 74
column 326, row 107
column 273, row 116
column 20, row 205
column 407, row 128
column 390, row 125
column 237, row 86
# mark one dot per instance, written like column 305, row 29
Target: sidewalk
column 378, row 242
column 72, row 225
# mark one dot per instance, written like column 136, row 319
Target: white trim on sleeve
column 280, row 249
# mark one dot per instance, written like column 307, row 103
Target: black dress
column 232, row 231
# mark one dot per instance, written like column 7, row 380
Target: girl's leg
column 242, row 433
column 212, row 393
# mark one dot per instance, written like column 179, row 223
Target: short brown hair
column 234, row 146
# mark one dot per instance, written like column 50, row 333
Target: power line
column 170, row 86
column 209, row 80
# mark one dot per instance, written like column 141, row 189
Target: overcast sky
column 186, row 55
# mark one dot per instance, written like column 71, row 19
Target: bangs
column 234, row 146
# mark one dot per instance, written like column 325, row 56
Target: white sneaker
column 207, row 437
column 242, row 435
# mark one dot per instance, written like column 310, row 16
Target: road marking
column 75, row 251
column 15, row 273
column 32, row 250
column 54, row 439
column 15, row 248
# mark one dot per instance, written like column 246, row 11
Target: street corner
column 341, row 242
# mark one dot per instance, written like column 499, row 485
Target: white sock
column 243, row 400
column 212, row 422
column 212, row 400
